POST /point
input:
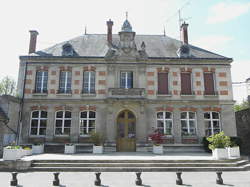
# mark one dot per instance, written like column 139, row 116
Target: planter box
column 98, row 149
column 27, row 152
column 220, row 153
column 69, row 149
column 37, row 149
column 158, row 149
column 12, row 154
column 233, row 152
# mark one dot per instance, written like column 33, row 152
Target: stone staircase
column 139, row 165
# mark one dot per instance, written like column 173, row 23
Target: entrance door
column 126, row 140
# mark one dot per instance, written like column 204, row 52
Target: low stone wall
column 19, row 165
column 243, row 129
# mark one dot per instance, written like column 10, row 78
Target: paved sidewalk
column 69, row 179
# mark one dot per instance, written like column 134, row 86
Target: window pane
column 43, row 123
column 59, row 114
column 207, row 115
column 168, row 124
column 191, row 124
column 35, row 114
column 184, row 115
column 43, row 114
column 34, row 123
column 83, row 114
column 58, row 131
column 67, row 114
column 207, row 124
column 160, row 115
column 191, row 115
column 123, row 80
column 122, row 115
column 67, row 123
column 66, row 131
column 183, row 124
column 168, row 115
column 58, row 123
column 42, row 131
column 216, row 124
column 33, row 131
column 91, row 114
column 216, row 131
column 92, row 123
column 160, row 124
column 215, row 115
column 208, row 132
column 131, row 115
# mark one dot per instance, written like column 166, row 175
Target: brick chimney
column 33, row 37
column 184, row 33
column 109, row 34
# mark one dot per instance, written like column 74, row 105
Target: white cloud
column 223, row 12
column 213, row 43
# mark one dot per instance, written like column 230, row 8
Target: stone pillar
column 141, row 125
column 50, row 125
column 177, row 126
column 228, row 120
column 200, row 124
column 111, row 124
column 74, row 131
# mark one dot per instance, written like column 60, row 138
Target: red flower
column 156, row 137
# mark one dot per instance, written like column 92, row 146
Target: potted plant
column 69, row 148
column 97, row 140
column 157, row 138
column 37, row 148
column 233, row 149
column 12, row 152
column 218, row 144
column 27, row 151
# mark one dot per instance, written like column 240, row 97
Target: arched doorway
column 126, row 132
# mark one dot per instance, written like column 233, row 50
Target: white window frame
column 42, row 81
column 39, row 121
column 188, row 122
column 81, row 122
column 164, row 119
column 126, row 78
column 66, row 81
column 89, row 81
column 63, row 122
column 211, row 121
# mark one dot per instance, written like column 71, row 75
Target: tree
column 7, row 86
column 241, row 106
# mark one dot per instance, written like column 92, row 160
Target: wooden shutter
column 209, row 83
column 162, row 83
column 186, row 84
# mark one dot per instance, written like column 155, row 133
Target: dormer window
column 184, row 51
column 67, row 50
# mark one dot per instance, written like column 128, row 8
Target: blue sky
column 221, row 26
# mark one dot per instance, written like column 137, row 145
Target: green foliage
column 205, row 143
column 218, row 141
column 242, row 106
column 96, row 138
column 14, row 147
column 7, row 86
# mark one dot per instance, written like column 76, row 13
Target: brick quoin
column 101, row 91
column 159, row 109
column 34, row 108
column 52, row 81
column 76, row 91
column 52, row 91
column 223, row 92
column 43, row 108
column 29, row 72
column 175, row 83
column 92, row 108
column 27, row 91
column 53, row 72
column 82, row 108
column 197, row 74
column 162, row 70
column 102, row 82
column 209, row 109
column 189, row 69
column 212, row 70
column 205, row 69
column 222, row 74
column 85, row 68
column 150, row 83
column 175, row 92
column 69, row 68
column 92, row 68
column 198, row 83
column 77, row 73
column 59, row 108
column 223, row 83
column 167, row 109
column 102, row 73
column 28, row 81
column 151, row 92
column 77, row 82
column 150, row 74
column 182, row 69
column 188, row 109
column 62, row 68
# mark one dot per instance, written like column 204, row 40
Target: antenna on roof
column 164, row 31
column 85, row 30
column 126, row 15
column 182, row 20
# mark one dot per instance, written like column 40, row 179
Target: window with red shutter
column 209, row 84
column 186, row 87
column 163, row 83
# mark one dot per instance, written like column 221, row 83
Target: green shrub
column 205, row 143
column 219, row 140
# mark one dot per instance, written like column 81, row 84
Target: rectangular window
column 212, row 123
column 126, row 79
column 89, row 82
column 65, row 82
column 209, row 83
column 41, row 82
column 188, row 124
column 38, row 123
column 186, row 85
column 63, row 123
column 163, row 83
column 87, row 122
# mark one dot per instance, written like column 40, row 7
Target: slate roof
column 157, row 46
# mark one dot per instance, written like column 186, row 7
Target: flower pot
column 12, row 154
column 220, row 153
column 158, row 149
column 69, row 149
column 97, row 149
column 27, row 152
column 37, row 149
column 234, row 152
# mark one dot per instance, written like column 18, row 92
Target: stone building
column 9, row 119
column 124, row 85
